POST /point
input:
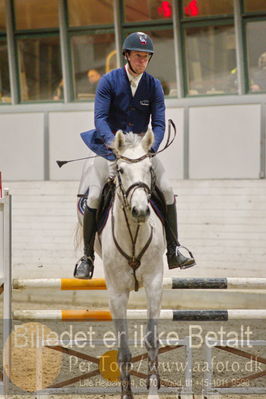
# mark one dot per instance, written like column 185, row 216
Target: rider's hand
column 112, row 169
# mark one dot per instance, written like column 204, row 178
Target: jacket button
column 130, row 124
column 132, row 109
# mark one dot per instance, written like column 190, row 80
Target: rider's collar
column 134, row 80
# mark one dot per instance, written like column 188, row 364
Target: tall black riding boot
column 85, row 266
column 174, row 257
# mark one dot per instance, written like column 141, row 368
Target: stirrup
column 191, row 257
column 86, row 266
column 176, row 259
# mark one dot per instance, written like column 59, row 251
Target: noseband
column 148, row 190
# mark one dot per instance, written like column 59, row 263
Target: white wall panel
column 224, row 141
column 65, row 142
column 21, row 146
column 173, row 157
column 1, row 240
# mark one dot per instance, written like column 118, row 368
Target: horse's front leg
column 118, row 306
column 154, row 296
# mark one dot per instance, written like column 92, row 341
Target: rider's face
column 139, row 61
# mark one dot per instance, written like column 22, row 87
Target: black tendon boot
column 84, row 267
column 174, row 257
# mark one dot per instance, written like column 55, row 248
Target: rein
column 168, row 143
column 153, row 154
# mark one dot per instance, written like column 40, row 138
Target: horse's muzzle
column 140, row 215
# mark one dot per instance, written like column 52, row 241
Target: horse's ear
column 147, row 140
column 119, row 141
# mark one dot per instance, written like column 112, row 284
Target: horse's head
column 134, row 172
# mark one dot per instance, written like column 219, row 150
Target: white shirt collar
column 132, row 78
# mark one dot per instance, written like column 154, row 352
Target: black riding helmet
column 137, row 41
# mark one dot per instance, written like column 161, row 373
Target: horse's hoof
column 126, row 392
column 127, row 396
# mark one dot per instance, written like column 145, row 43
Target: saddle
column 157, row 202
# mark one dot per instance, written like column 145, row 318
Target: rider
column 126, row 99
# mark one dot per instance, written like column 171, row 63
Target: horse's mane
column 131, row 140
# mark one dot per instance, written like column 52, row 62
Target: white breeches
column 99, row 174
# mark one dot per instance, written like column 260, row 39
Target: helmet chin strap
column 130, row 66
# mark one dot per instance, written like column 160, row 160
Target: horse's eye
column 121, row 170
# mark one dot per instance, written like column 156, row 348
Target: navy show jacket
column 116, row 108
